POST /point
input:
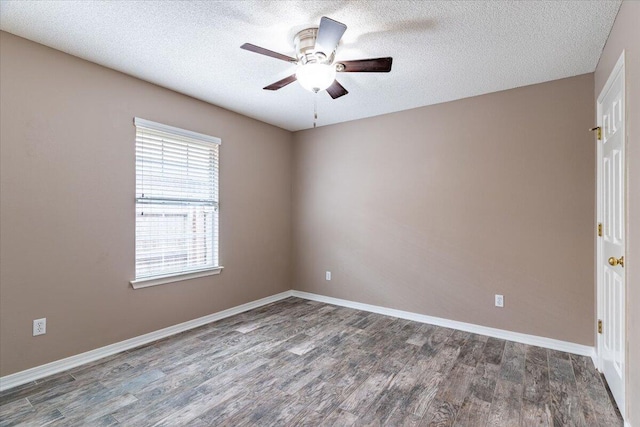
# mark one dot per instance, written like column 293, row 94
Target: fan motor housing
column 305, row 44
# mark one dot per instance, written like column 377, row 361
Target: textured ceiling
column 442, row 50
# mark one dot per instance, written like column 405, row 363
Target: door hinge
column 599, row 229
column 598, row 130
column 599, row 326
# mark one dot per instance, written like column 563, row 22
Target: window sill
column 163, row 280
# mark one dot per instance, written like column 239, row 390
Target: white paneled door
column 611, row 245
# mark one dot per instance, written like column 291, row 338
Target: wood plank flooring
column 297, row 362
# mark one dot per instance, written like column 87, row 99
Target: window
column 176, row 204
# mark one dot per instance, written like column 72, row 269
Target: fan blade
column 329, row 34
column 262, row 51
column 373, row 65
column 336, row 90
column 281, row 83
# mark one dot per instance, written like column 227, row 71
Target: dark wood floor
column 297, row 362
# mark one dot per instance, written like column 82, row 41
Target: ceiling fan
column 315, row 54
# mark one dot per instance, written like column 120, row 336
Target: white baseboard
column 550, row 343
column 42, row 371
column 23, row 377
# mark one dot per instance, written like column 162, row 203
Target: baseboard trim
column 33, row 374
column 29, row 375
column 550, row 343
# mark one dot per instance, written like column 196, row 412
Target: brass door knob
column 615, row 261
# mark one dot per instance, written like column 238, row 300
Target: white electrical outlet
column 39, row 327
column 499, row 300
column 327, row 275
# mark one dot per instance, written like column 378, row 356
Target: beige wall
column 625, row 35
column 431, row 210
column 434, row 210
column 67, row 206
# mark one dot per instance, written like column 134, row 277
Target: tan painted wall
column 67, row 206
column 625, row 35
column 434, row 210
column 431, row 210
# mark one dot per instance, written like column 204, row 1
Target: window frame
column 161, row 279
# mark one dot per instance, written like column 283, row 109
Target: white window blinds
column 176, row 200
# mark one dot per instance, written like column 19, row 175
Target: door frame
column 618, row 68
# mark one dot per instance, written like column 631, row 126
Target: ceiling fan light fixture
column 315, row 76
column 315, row 54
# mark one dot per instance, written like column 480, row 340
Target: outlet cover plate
column 39, row 327
column 327, row 275
column 499, row 300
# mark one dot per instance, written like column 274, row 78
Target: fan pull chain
column 315, row 108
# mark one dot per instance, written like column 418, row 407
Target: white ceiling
column 442, row 50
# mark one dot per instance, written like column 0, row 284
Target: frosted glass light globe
column 316, row 77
